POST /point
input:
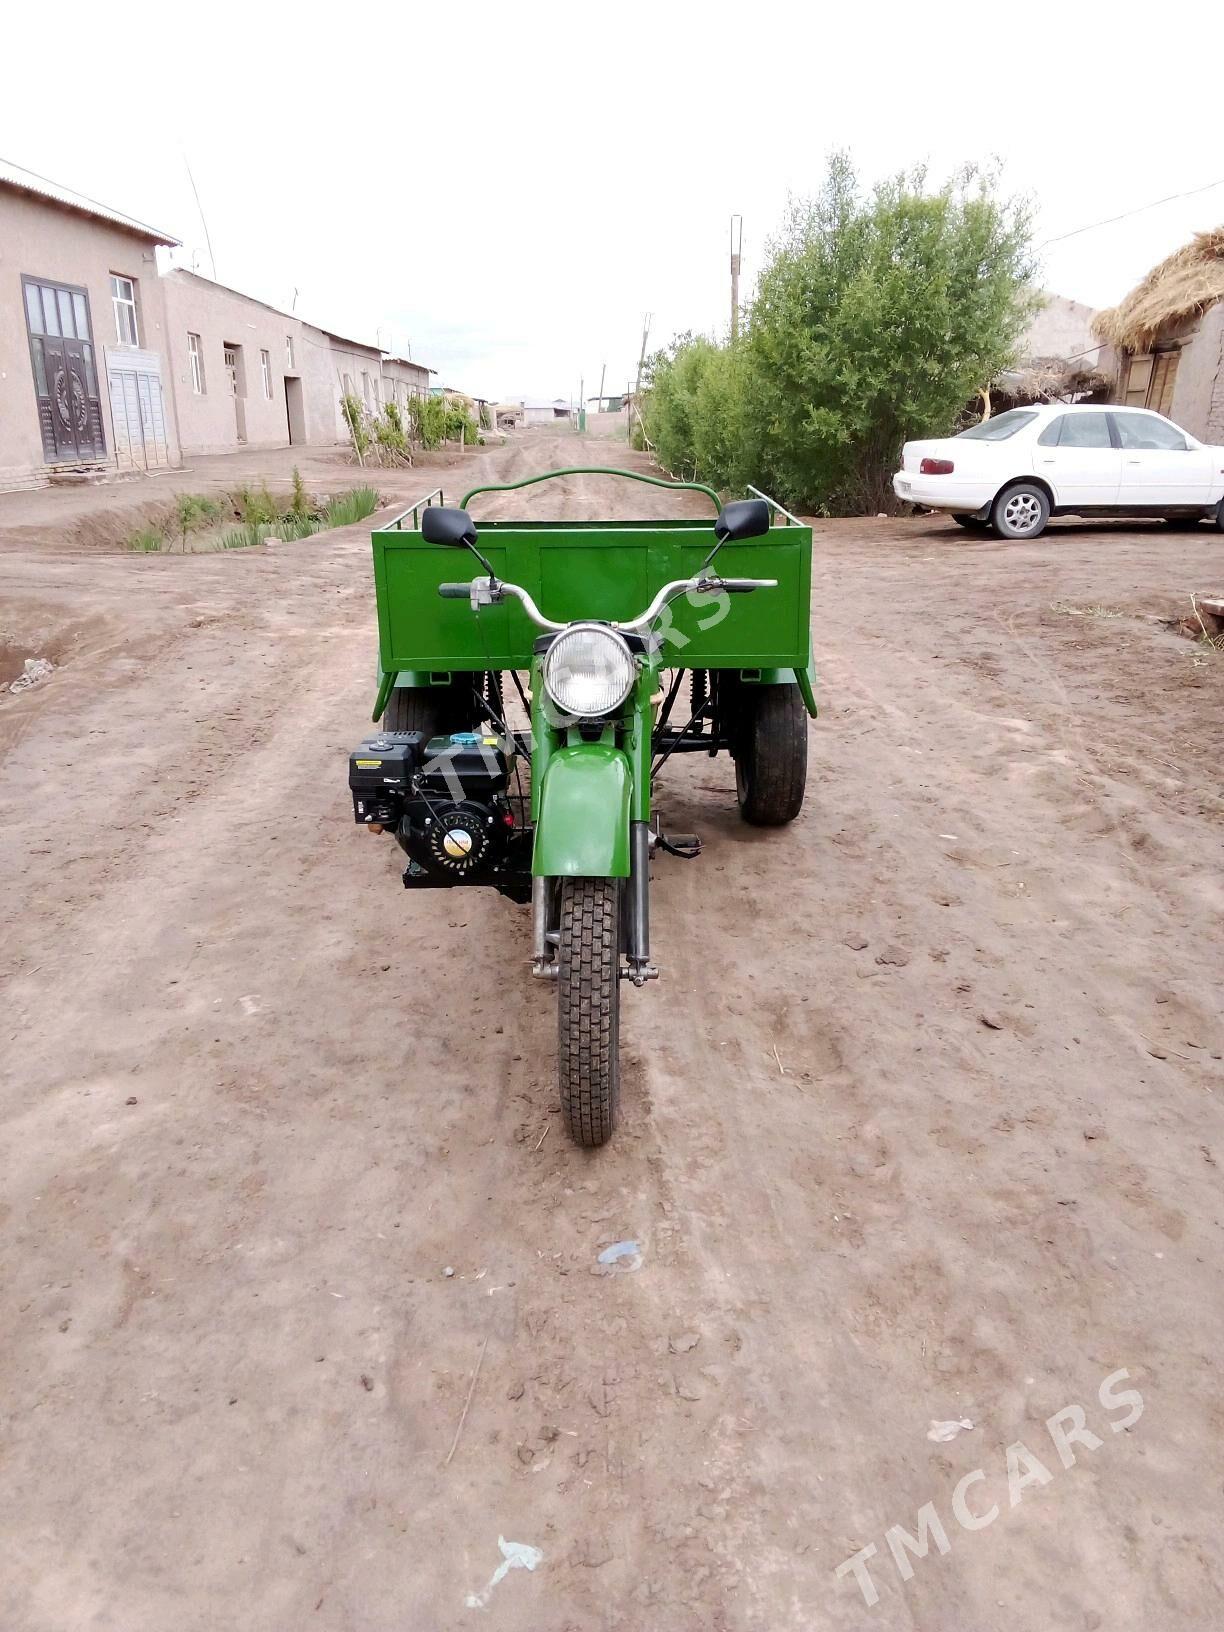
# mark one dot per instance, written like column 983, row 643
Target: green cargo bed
column 591, row 569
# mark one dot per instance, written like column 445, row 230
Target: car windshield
column 998, row 430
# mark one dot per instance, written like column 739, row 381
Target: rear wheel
column 588, row 1008
column 1020, row 511
column 771, row 756
column 433, row 710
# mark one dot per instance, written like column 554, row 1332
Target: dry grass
column 1182, row 286
column 1070, row 611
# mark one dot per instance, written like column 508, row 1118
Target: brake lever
column 486, row 592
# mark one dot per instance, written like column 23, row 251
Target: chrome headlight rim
column 620, row 655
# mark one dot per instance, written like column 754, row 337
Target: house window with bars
column 195, row 359
column 265, row 365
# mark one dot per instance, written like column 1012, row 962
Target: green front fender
column 582, row 830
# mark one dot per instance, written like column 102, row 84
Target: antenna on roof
column 200, row 208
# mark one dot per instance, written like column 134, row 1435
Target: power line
column 1126, row 214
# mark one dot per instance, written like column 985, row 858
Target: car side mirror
column 743, row 518
column 440, row 525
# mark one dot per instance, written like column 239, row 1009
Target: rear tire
column 435, row 711
column 588, row 1008
column 1021, row 511
column 771, row 758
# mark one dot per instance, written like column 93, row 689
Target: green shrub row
column 258, row 515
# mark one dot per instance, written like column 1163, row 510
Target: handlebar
column 487, row 592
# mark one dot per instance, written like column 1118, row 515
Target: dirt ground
column 922, row 1124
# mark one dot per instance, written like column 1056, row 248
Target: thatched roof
column 1182, row 286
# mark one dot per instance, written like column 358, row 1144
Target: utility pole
column 642, row 354
column 602, row 374
column 737, row 244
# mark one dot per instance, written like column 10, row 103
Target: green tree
column 876, row 318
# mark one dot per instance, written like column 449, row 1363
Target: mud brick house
column 402, row 378
column 246, row 374
column 1169, row 338
column 107, row 367
column 82, row 337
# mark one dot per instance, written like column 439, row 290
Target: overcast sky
column 508, row 188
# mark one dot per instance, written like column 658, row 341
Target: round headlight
column 589, row 670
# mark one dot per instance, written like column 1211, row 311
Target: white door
column 153, row 420
column 1159, row 464
column 137, row 409
column 1076, row 455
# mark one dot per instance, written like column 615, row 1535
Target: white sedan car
column 1014, row 472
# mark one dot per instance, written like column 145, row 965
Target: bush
column 694, row 410
column 355, row 418
column 242, row 538
column 875, row 319
column 427, row 420
column 145, row 540
column 256, row 506
column 352, row 506
column 299, row 505
column 434, row 420
column 194, row 510
column 391, row 436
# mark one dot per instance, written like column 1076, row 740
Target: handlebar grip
column 744, row 586
column 455, row 592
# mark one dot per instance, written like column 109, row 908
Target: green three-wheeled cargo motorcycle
column 543, row 790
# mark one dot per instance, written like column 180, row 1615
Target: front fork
column 637, row 740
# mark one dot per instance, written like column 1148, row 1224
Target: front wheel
column 771, row 754
column 1021, row 511
column 588, row 1008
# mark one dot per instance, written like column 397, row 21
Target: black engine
column 448, row 802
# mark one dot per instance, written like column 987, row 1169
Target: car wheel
column 1219, row 515
column 1020, row 511
column 975, row 524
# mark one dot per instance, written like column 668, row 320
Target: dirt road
column 922, row 1124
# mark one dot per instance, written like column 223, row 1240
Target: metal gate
column 138, row 410
column 65, row 375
